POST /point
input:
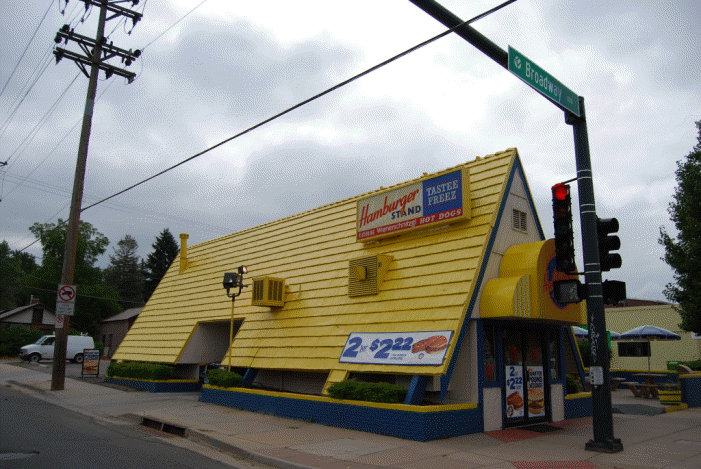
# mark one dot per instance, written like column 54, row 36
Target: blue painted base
column 158, row 386
column 418, row 426
column 691, row 390
column 579, row 407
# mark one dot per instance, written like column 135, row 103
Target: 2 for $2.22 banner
column 397, row 348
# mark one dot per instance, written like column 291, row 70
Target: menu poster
column 514, row 391
column 536, row 392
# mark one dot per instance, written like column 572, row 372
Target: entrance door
column 525, row 390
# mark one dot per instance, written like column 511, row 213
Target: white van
column 44, row 348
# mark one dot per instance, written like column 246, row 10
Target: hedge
column 223, row 378
column 372, row 392
column 135, row 370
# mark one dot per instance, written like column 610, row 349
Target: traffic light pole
column 604, row 440
column 602, row 419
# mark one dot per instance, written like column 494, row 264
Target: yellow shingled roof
column 428, row 286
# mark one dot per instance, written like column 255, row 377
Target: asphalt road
column 35, row 434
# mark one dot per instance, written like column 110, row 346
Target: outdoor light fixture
column 233, row 280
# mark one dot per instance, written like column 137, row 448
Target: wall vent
column 365, row 274
column 268, row 291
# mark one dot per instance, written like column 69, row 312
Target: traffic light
column 607, row 243
column 614, row 291
column 564, row 234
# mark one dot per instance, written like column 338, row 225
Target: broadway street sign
column 542, row 81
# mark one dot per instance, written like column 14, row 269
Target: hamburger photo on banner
column 536, row 402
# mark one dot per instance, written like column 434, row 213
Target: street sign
column 60, row 321
column 65, row 300
column 542, row 81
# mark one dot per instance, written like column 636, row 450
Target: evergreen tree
column 165, row 250
column 125, row 273
column 684, row 253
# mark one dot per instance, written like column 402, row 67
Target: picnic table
column 646, row 389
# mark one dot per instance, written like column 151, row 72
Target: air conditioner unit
column 268, row 291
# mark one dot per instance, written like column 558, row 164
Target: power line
column 172, row 25
column 33, row 133
column 306, row 101
column 25, row 49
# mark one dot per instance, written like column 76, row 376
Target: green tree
column 95, row 300
column 165, row 250
column 683, row 254
column 15, row 266
column 125, row 273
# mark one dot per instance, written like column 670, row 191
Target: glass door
column 525, row 377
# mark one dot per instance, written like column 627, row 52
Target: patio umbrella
column 584, row 334
column 649, row 333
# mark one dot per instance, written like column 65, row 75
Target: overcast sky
column 229, row 65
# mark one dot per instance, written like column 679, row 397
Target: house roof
column 428, row 287
column 8, row 314
column 124, row 315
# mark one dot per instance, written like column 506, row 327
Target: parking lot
column 73, row 370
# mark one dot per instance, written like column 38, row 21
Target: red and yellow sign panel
column 433, row 201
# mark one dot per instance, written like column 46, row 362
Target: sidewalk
column 663, row 440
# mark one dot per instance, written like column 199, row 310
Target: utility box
column 365, row 274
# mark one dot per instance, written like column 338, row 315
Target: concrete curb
column 204, row 439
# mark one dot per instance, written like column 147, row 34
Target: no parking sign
column 65, row 300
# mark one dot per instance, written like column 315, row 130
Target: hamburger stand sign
column 429, row 202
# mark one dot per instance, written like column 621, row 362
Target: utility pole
column 95, row 59
column 604, row 440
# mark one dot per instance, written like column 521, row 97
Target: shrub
column 585, row 352
column 15, row 337
column 572, row 385
column 223, row 378
column 372, row 392
column 694, row 365
column 136, row 370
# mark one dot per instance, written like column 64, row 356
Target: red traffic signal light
column 564, row 233
column 561, row 191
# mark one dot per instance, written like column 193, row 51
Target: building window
column 519, row 220
column 634, row 349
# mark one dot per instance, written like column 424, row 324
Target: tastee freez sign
column 433, row 201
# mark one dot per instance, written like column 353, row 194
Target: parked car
column 43, row 348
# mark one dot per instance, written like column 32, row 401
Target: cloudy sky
column 226, row 66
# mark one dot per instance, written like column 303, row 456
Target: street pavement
column 651, row 437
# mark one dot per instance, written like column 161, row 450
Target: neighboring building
column 442, row 284
column 633, row 355
column 32, row 316
column 115, row 328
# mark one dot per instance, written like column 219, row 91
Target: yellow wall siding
column 624, row 319
column 427, row 287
